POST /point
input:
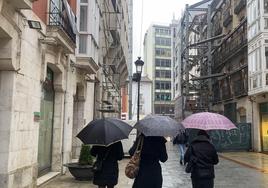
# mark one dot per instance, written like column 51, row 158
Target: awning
column 71, row 16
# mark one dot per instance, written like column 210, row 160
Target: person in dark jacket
column 181, row 139
column 150, row 172
column 108, row 175
column 202, row 174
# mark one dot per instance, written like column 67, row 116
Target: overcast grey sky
column 154, row 11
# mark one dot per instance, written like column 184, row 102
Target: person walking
column 205, row 156
column 181, row 139
column 107, row 176
column 150, row 172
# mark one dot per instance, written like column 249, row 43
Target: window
column 265, row 6
column 242, row 114
column 163, row 85
column 157, row 85
column 157, row 73
column 162, row 41
column 168, row 74
column 83, row 18
column 253, row 19
column 163, row 31
column 163, row 52
column 157, row 97
column 265, row 23
column 255, row 60
column 82, row 44
column 158, row 62
column 163, row 96
column 163, row 62
column 266, row 57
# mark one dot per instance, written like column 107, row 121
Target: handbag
column 193, row 159
column 133, row 165
column 97, row 165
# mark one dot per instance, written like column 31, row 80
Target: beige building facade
column 51, row 85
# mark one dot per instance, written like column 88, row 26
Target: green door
column 46, row 125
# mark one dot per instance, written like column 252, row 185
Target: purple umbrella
column 208, row 121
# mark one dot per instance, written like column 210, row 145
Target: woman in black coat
column 108, row 175
column 206, row 157
column 150, row 172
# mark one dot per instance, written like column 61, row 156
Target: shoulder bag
column 133, row 165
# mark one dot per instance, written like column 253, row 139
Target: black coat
column 207, row 156
column 181, row 138
column 109, row 173
column 150, row 172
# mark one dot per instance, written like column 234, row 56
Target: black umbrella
column 155, row 125
column 104, row 131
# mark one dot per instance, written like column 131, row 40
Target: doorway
column 46, row 125
column 264, row 132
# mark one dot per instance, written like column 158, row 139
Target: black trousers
column 203, row 183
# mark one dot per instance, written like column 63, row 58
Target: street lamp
column 137, row 78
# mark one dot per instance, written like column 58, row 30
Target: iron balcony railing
column 227, row 17
column 58, row 17
column 239, row 6
column 233, row 43
column 238, row 88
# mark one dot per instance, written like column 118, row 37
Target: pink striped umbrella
column 208, row 121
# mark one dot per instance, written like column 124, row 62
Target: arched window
column 242, row 115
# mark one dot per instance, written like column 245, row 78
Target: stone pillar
column 7, row 80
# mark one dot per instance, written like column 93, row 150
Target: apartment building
column 257, row 14
column 158, row 60
column 63, row 63
column 221, row 59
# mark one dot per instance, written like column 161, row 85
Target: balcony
column 239, row 6
column 238, row 88
column 218, row 31
column 22, row 4
column 59, row 18
column 227, row 18
column 60, row 25
column 214, row 5
column 234, row 42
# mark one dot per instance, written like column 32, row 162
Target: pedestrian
column 205, row 156
column 107, row 176
column 181, row 139
column 150, row 172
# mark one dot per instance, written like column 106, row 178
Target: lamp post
column 137, row 78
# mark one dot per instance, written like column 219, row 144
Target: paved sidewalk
column 248, row 171
column 257, row 161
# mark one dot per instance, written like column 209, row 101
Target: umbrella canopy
column 104, row 131
column 155, row 125
column 208, row 121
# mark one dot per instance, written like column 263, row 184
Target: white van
column 127, row 143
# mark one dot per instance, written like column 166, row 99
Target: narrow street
column 228, row 175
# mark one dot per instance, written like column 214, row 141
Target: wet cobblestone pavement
column 228, row 175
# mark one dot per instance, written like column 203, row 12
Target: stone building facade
column 49, row 89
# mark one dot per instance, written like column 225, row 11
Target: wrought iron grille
column 58, row 17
